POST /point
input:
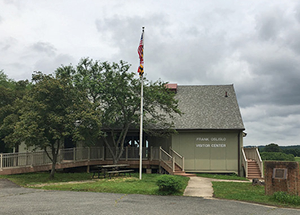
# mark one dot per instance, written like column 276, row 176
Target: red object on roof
column 172, row 87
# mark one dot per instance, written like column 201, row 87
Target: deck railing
column 129, row 153
column 38, row 158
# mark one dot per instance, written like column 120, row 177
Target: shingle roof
column 207, row 107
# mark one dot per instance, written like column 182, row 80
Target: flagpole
column 141, row 126
column 141, row 119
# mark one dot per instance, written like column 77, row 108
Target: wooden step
column 185, row 174
column 253, row 170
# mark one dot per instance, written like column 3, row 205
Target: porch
column 154, row 158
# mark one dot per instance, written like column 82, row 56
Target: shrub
column 169, row 184
column 286, row 198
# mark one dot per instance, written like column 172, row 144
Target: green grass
column 245, row 192
column 43, row 177
column 132, row 185
column 297, row 159
column 222, row 176
column 126, row 185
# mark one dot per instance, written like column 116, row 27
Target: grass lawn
column 297, row 159
column 29, row 179
column 245, row 192
column 127, row 185
column 132, row 185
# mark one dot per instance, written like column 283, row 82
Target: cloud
column 254, row 45
column 269, row 60
column 270, row 24
column 8, row 43
column 297, row 12
column 44, row 48
column 49, row 65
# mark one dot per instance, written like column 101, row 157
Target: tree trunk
column 54, row 152
column 118, row 150
column 51, row 176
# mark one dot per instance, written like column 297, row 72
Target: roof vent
column 172, row 87
column 226, row 95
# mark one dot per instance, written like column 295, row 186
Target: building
column 210, row 131
column 209, row 134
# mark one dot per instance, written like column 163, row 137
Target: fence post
column 1, row 162
column 74, row 154
column 89, row 153
column 31, row 159
column 103, row 153
column 173, row 166
column 160, row 153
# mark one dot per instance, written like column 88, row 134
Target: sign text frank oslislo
column 217, row 142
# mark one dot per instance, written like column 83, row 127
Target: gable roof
column 208, row 107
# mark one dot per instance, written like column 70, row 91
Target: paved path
column 16, row 200
column 202, row 187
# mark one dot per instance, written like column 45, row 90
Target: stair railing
column 259, row 162
column 245, row 162
column 178, row 159
column 166, row 159
column 253, row 153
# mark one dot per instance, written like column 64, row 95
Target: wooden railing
column 38, row 158
column 178, row 159
column 245, row 162
column 253, row 153
column 169, row 160
column 166, row 159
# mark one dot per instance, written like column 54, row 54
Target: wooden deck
column 70, row 164
column 153, row 158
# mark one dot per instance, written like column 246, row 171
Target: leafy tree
column 10, row 94
column 4, row 80
column 52, row 110
column 294, row 151
column 272, row 148
column 116, row 92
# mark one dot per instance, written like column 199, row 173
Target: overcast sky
column 252, row 44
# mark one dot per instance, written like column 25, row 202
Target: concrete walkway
column 202, row 187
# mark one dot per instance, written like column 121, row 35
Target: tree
column 117, row 92
column 52, row 110
column 272, row 148
column 10, row 94
column 275, row 156
column 291, row 150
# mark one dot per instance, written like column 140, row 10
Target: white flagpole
column 141, row 120
column 141, row 127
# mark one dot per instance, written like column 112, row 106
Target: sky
column 253, row 44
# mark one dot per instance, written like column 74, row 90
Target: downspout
column 239, row 153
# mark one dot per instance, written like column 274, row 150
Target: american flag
column 141, row 55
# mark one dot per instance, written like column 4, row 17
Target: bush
column 169, row 184
column 286, row 198
column 277, row 156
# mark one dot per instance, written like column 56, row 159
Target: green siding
column 208, row 151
